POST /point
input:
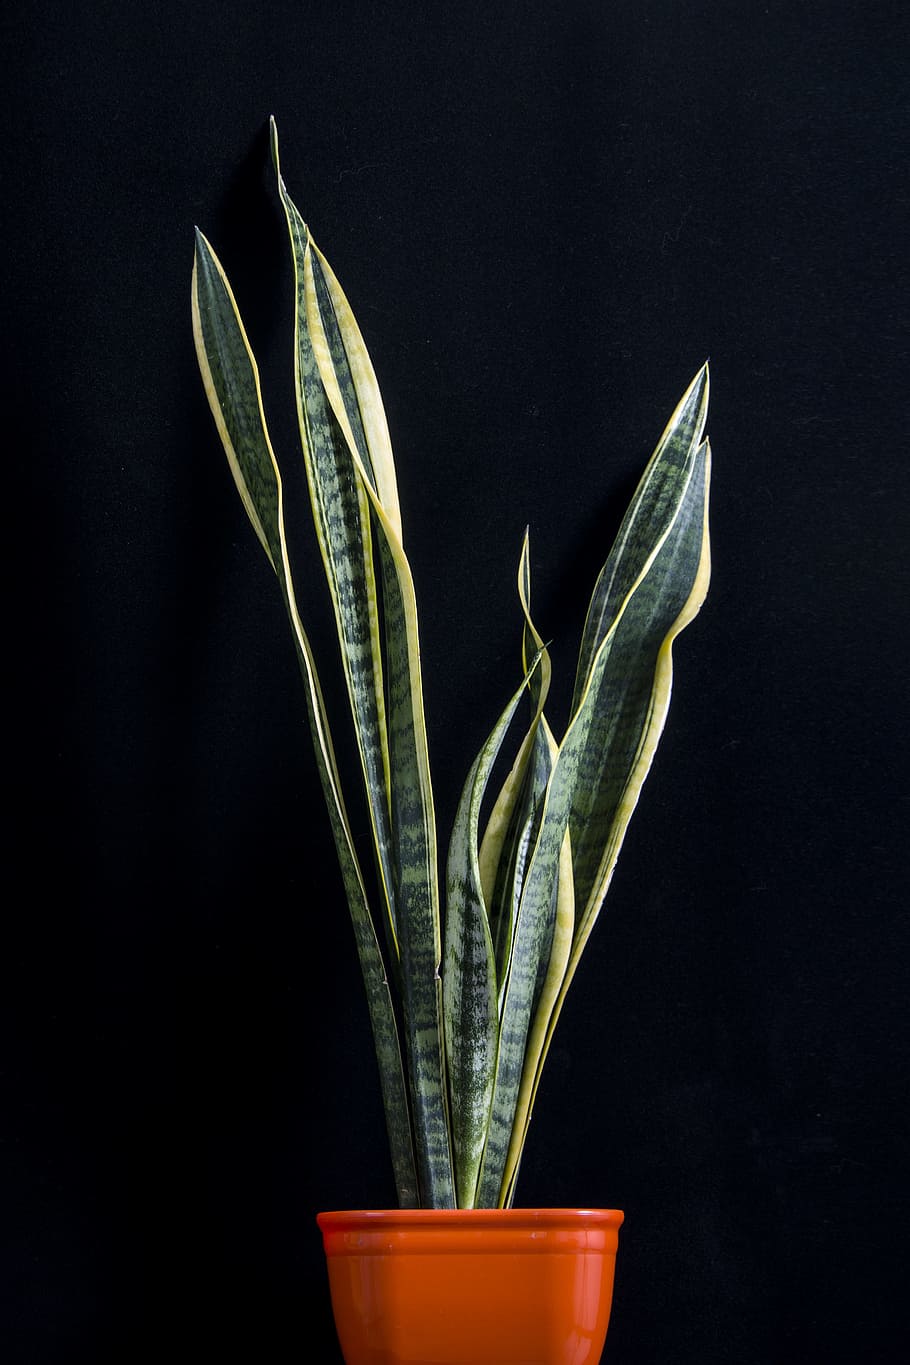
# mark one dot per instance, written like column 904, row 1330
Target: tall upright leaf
column 341, row 513
column 521, row 906
column 329, row 340
column 470, row 996
column 513, row 822
column 231, row 380
column 551, row 967
column 645, row 520
column 610, row 728
column 546, row 1001
column 650, row 514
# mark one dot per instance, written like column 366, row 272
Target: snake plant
column 463, row 997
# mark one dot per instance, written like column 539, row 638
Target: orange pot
column 471, row 1287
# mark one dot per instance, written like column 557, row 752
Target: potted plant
column 463, row 996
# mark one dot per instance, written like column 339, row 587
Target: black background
column 545, row 218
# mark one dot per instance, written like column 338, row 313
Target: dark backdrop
column 545, row 217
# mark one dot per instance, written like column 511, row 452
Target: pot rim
column 537, row 1217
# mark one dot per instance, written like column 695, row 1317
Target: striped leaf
column 539, row 1034
column 614, row 732
column 649, row 733
column 520, row 909
column 517, row 849
column 646, row 519
column 231, row 380
column 651, row 512
column 552, row 968
column 341, row 513
column 514, row 819
column 471, row 1006
column 331, row 350
column 520, row 807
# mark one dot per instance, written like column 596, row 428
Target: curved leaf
column 538, row 1036
column 514, row 820
column 636, row 691
column 341, row 513
column 694, row 548
column 231, row 379
column 470, row 1000
column 645, row 521
column 612, row 733
column 335, row 346
column 650, row 513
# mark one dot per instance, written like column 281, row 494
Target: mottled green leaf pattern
column 335, row 369
column 621, row 676
column 231, row 379
column 416, row 884
column 516, row 852
column 514, row 819
column 520, row 909
column 683, row 560
column 549, row 994
column 655, row 505
column 469, row 976
column 341, row 514
column 646, row 520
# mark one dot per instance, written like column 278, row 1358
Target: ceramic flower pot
column 478, row 1287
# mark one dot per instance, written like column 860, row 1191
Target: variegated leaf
column 341, row 513
column 514, row 820
column 609, row 733
column 651, row 512
column 517, row 849
column 648, row 738
column 231, row 380
column 556, row 966
column 637, row 678
column 470, row 997
column 346, row 376
column 645, row 521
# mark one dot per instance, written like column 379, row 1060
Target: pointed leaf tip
column 203, row 245
column 273, row 144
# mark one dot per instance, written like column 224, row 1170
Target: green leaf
column 514, row 819
column 329, row 340
column 606, row 752
column 651, row 513
column 517, row 846
column 522, row 907
column 341, row 514
column 634, row 680
column 517, row 849
column 416, row 883
column 470, row 998
column 651, row 725
column 538, row 1036
column 646, row 519
column 231, row 379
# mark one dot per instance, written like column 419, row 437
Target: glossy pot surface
column 471, row 1287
